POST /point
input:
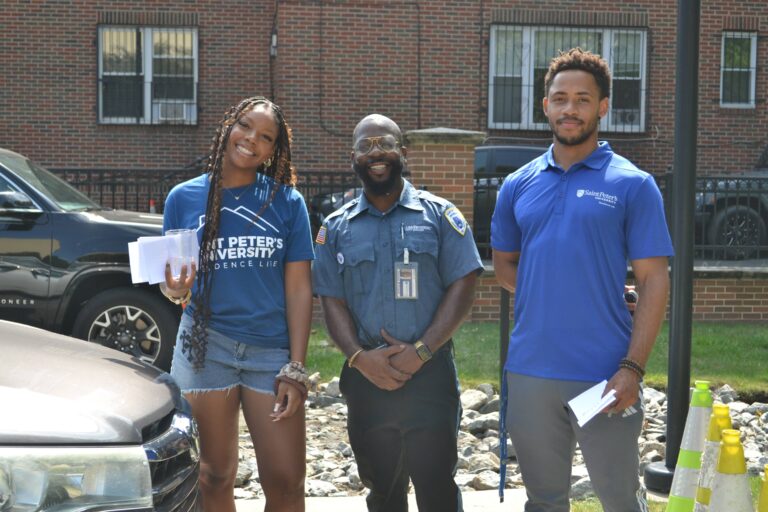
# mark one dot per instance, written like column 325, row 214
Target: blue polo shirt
column 357, row 249
column 575, row 232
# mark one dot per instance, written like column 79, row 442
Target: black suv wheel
column 740, row 229
column 131, row 320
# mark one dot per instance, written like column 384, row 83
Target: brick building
column 67, row 99
column 119, row 84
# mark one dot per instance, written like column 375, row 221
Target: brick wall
column 48, row 87
column 715, row 298
column 425, row 64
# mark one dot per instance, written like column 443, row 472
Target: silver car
column 86, row 428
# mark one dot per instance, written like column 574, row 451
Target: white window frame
column 528, row 50
column 752, row 36
column 150, row 104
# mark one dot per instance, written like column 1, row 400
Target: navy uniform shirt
column 358, row 247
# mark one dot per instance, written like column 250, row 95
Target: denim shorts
column 228, row 363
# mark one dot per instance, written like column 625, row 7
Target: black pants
column 409, row 432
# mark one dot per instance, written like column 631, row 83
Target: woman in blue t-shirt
column 243, row 336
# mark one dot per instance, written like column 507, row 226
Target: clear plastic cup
column 182, row 249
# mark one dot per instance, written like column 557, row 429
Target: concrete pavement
column 474, row 501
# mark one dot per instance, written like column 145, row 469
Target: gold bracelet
column 353, row 357
column 178, row 300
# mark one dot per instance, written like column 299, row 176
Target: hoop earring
column 267, row 163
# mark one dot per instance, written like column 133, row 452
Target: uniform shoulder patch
column 320, row 238
column 456, row 220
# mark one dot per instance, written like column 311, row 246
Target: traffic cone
column 730, row 488
column 682, row 496
column 762, row 501
column 719, row 421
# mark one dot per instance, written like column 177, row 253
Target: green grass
column 323, row 356
column 733, row 354
column 721, row 353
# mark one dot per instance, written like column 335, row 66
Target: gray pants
column 544, row 433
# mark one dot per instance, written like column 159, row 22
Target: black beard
column 574, row 141
column 380, row 188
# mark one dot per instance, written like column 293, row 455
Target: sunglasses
column 386, row 143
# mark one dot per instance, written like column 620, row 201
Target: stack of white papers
column 148, row 256
column 588, row 404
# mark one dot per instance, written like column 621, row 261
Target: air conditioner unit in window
column 628, row 116
column 172, row 111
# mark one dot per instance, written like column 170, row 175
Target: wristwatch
column 422, row 351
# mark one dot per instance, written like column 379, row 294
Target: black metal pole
column 658, row 477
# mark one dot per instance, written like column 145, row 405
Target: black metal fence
column 141, row 190
column 731, row 215
column 145, row 190
column 730, row 218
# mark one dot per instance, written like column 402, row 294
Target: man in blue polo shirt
column 564, row 228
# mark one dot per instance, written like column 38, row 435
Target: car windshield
column 64, row 195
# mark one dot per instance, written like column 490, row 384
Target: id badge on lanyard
column 406, row 278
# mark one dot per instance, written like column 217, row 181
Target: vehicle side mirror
column 12, row 201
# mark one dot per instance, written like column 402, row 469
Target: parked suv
column 492, row 164
column 64, row 265
column 87, row 428
column 732, row 214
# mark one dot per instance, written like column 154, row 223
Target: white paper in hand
column 148, row 256
column 591, row 402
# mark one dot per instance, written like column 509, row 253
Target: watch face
column 423, row 352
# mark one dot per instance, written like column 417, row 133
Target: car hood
column 59, row 390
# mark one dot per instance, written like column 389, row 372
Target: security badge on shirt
column 406, row 275
column 407, row 272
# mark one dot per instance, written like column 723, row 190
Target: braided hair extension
column 283, row 173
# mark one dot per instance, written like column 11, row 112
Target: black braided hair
column 280, row 169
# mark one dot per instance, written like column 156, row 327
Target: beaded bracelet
column 632, row 366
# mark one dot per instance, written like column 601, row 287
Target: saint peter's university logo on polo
column 456, row 220
column 247, row 247
column 601, row 197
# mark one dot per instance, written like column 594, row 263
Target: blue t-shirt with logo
column 576, row 232
column 247, row 299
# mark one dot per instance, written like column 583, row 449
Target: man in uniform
column 396, row 271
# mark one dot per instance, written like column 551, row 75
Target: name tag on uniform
column 406, row 281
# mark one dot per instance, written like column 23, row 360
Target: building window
column 520, row 56
column 147, row 75
column 737, row 69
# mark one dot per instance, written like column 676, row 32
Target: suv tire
column 741, row 229
column 131, row 320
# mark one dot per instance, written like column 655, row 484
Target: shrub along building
column 126, row 85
